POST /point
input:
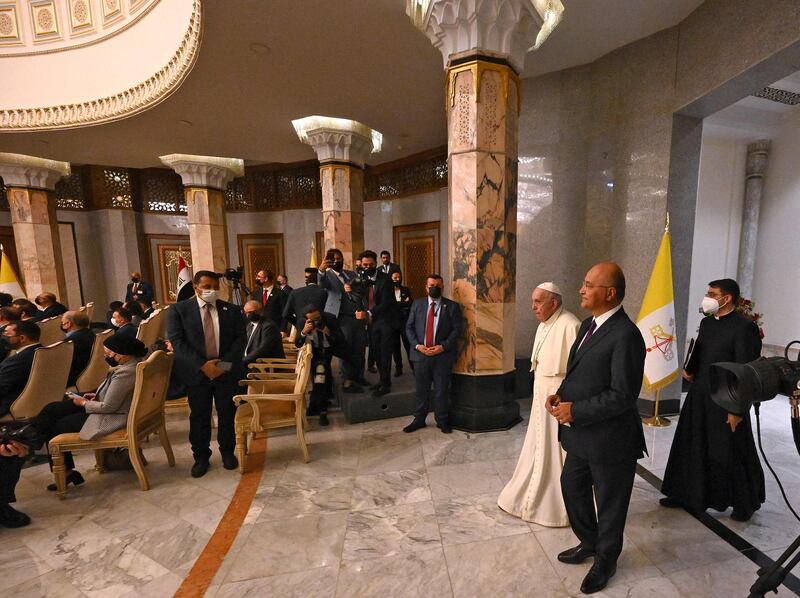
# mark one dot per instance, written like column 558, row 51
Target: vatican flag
column 656, row 321
column 312, row 263
column 9, row 283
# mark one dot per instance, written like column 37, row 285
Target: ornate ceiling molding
column 121, row 105
column 204, row 171
column 19, row 170
column 338, row 139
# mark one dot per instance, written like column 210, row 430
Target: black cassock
column 709, row 466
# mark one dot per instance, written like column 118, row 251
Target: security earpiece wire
column 757, row 409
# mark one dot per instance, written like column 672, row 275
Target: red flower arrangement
column 747, row 309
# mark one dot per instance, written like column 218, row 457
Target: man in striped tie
column 434, row 332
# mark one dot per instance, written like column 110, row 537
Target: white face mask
column 114, row 323
column 709, row 306
column 209, row 295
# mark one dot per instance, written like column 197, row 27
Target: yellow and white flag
column 656, row 321
column 312, row 263
column 9, row 283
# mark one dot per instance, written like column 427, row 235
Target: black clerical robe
column 709, row 466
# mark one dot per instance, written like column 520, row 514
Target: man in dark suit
column 138, row 290
column 208, row 338
column 76, row 326
column 310, row 294
column 434, row 331
column 384, row 319
column 23, row 337
column 346, row 303
column 283, row 283
column 600, row 428
column 49, row 305
column 122, row 320
column 28, row 310
column 263, row 338
column 269, row 294
column 387, row 266
column 327, row 340
column 402, row 295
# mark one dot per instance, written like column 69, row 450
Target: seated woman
column 100, row 413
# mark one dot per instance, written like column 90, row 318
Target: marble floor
column 376, row 513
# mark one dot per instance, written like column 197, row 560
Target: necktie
column 265, row 296
column 208, row 330
column 589, row 333
column 429, row 325
column 135, row 288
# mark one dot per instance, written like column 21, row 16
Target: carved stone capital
column 19, row 170
column 204, row 171
column 757, row 158
column 508, row 28
column 338, row 139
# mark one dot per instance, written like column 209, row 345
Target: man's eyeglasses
column 589, row 286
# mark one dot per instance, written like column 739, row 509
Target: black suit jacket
column 389, row 269
column 265, row 342
column 287, row 289
column 129, row 330
column 185, row 331
column 335, row 338
column 448, row 331
column 276, row 301
column 311, row 294
column 385, row 312
column 82, row 343
column 14, row 372
column 603, row 381
column 144, row 293
column 404, row 305
column 53, row 310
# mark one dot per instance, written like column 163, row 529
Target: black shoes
column 398, row 372
column 323, row 419
column 741, row 515
column 10, row 517
column 200, row 468
column 73, row 477
column 352, row 389
column 446, row 429
column 669, row 503
column 229, row 461
column 597, row 578
column 575, row 556
column 415, row 425
column 381, row 390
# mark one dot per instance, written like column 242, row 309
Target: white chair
column 51, row 332
column 97, row 368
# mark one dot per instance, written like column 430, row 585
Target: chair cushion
column 75, row 438
column 270, row 411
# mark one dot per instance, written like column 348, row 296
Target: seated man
column 22, row 336
column 6, row 300
column 112, row 307
column 322, row 330
column 76, row 326
column 122, row 321
column 263, row 337
column 28, row 310
column 137, row 313
column 49, row 305
column 7, row 315
column 12, row 456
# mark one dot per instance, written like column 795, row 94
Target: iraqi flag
column 185, row 289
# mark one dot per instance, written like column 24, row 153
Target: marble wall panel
column 207, row 229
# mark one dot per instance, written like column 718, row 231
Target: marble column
column 342, row 147
column 30, row 183
column 204, row 181
column 483, row 43
column 757, row 158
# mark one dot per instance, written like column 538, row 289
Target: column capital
column 19, row 170
column 204, row 171
column 508, row 28
column 338, row 139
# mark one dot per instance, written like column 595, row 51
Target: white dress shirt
column 212, row 307
column 436, row 311
column 600, row 320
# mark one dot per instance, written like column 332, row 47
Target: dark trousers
column 355, row 336
column 381, row 343
column 10, row 468
column 437, row 371
column 60, row 417
column 602, row 529
column 221, row 392
column 321, row 392
column 401, row 337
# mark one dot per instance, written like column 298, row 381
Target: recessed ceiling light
column 260, row 49
column 185, row 123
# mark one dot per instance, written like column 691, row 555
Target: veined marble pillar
column 757, row 158
column 204, row 180
column 342, row 147
column 483, row 43
column 30, row 182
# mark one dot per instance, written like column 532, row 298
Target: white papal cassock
column 534, row 492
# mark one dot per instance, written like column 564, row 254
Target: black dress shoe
column 415, row 425
column 323, row 419
column 741, row 515
column 575, row 556
column 380, row 391
column 446, row 429
column 398, row 373
column 199, row 468
column 10, row 517
column 229, row 461
column 597, row 578
column 352, row 389
column 73, row 477
column 670, row 503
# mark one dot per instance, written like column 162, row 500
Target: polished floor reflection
column 376, row 513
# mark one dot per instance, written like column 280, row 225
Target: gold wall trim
column 477, row 67
column 121, row 105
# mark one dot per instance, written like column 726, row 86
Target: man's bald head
column 603, row 288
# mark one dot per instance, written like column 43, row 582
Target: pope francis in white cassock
column 534, row 492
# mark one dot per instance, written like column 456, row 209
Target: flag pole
column 657, row 421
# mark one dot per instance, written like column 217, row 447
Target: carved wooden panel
column 319, row 246
column 163, row 252
column 162, row 191
column 415, row 174
column 417, row 250
column 260, row 252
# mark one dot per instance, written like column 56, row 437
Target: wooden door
column 261, row 252
column 163, row 252
column 417, row 250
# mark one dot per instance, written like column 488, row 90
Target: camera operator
column 323, row 332
column 713, row 461
column 12, row 456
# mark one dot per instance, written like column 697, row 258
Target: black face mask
column 434, row 292
column 396, row 283
column 136, row 279
column 254, row 317
column 338, row 265
column 371, row 271
column 259, row 283
column 110, row 361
